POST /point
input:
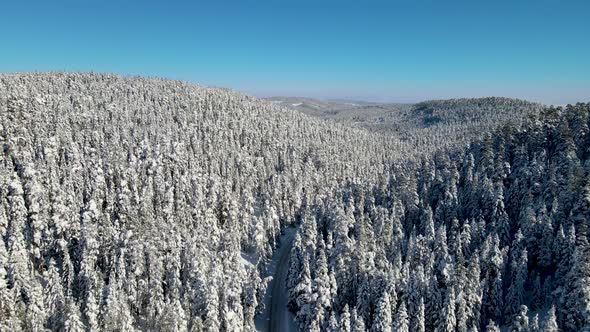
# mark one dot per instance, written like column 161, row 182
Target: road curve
column 276, row 316
column 280, row 319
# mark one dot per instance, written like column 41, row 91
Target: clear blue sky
column 396, row 51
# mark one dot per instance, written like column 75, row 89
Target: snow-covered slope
column 131, row 202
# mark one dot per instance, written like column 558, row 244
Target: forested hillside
column 427, row 126
column 134, row 203
column 459, row 121
column 494, row 235
column 145, row 204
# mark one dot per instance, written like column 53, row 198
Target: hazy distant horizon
column 402, row 51
column 415, row 99
column 561, row 99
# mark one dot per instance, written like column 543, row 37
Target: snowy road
column 276, row 315
column 280, row 317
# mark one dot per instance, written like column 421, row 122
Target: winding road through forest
column 276, row 313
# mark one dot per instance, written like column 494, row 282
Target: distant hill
column 459, row 120
column 337, row 109
column 378, row 117
column 425, row 125
column 452, row 111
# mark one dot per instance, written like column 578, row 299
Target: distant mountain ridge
column 424, row 124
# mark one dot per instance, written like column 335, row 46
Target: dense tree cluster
column 492, row 235
column 430, row 125
column 471, row 110
column 426, row 126
column 133, row 203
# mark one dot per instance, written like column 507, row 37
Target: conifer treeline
column 150, row 204
column 492, row 235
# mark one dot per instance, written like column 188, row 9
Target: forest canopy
column 130, row 203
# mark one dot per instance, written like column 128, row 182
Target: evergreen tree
column 332, row 323
column 448, row 320
column 492, row 327
column 420, row 320
column 358, row 323
column 521, row 320
column 515, row 295
column 72, row 320
column 345, row 323
column 383, row 320
column 401, row 322
column 550, row 324
column 576, row 311
column 534, row 324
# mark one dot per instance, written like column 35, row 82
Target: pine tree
column 363, row 303
column 295, row 269
column 448, row 320
column 521, row 320
column 332, row 323
column 547, row 244
column 55, row 300
column 420, row 319
column 564, row 250
column 345, row 323
column 358, row 324
column 434, row 304
column 6, row 295
column 35, row 314
column 382, row 320
column 473, row 292
column 443, row 261
column 550, row 324
column 72, row 321
column 303, row 290
column 18, row 258
column 174, row 318
column 534, row 324
column 401, row 322
column 321, row 288
column 515, row 295
column 493, row 285
column 537, row 294
column 492, row 327
column 89, row 252
column 576, row 311
column 117, row 315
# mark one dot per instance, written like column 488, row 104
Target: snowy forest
column 147, row 204
column 493, row 235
